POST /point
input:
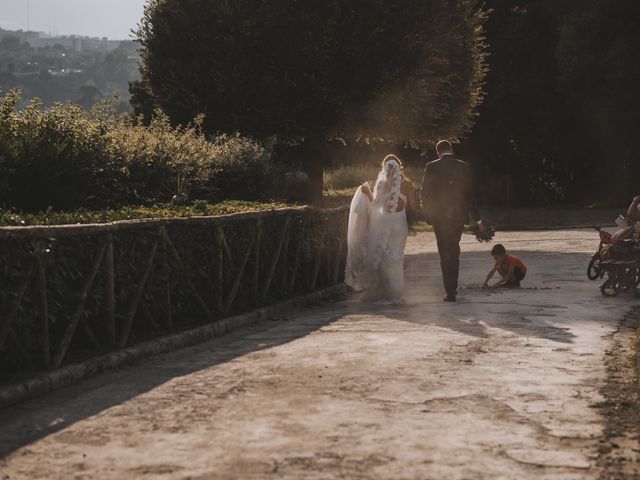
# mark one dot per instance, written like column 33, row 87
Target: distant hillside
column 63, row 71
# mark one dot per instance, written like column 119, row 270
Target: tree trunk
column 314, row 154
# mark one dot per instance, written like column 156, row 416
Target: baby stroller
column 604, row 252
column 619, row 260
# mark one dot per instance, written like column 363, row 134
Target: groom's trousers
column 448, row 238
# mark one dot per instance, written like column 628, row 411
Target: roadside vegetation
column 82, row 215
column 67, row 158
column 357, row 72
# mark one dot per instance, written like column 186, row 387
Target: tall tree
column 515, row 145
column 368, row 70
column 562, row 110
column 599, row 73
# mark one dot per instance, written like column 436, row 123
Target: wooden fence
column 72, row 291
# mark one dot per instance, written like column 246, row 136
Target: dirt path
column 499, row 386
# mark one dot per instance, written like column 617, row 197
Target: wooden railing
column 70, row 290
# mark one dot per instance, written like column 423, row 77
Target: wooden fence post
column 137, row 295
column 317, row 260
column 240, row 274
column 276, row 257
column 285, row 260
column 227, row 250
column 6, row 321
column 109, row 310
column 43, row 312
column 75, row 318
column 256, row 271
column 166, row 279
column 296, row 262
column 337, row 262
column 219, row 294
column 185, row 276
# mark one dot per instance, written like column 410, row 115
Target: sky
column 95, row 18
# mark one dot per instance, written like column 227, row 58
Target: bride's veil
column 366, row 234
column 387, row 190
column 385, row 202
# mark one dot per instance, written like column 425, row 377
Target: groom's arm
column 425, row 187
column 470, row 194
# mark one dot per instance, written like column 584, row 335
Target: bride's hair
column 393, row 157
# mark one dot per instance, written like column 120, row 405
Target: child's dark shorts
column 518, row 273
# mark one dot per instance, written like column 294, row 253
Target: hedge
column 68, row 158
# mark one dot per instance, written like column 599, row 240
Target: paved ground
column 499, row 386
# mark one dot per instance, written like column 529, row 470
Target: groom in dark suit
column 448, row 199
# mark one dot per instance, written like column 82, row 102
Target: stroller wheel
column 629, row 280
column 611, row 287
column 609, row 290
column 593, row 269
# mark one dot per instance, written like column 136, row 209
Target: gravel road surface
column 501, row 385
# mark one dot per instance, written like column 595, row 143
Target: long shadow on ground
column 521, row 313
column 25, row 423
column 541, row 308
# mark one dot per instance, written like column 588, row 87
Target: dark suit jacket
column 447, row 192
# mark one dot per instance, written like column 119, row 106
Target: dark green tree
column 599, row 72
column 562, row 110
column 516, row 144
column 375, row 71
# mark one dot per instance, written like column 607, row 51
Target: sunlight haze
column 95, row 18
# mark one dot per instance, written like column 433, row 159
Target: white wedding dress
column 376, row 238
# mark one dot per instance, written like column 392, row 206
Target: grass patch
column 541, row 218
column 348, row 177
column 199, row 208
column 503, row 218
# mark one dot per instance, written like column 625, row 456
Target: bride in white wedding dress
column 378, row 233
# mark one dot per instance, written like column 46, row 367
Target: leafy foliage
column 66, row 158
column 599, row 72
column 561, row 117
column 380, row 71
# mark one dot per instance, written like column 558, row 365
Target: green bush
column 67, row 158
column 244, row 170
column 47, row 156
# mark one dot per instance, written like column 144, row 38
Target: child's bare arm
column 489, row 275
column 506, row 278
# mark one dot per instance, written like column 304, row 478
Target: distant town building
column 73, row 43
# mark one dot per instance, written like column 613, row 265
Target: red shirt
column 511, row 261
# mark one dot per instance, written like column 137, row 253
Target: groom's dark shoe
column 450, row 298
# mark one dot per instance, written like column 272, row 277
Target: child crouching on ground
column 510, row 268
